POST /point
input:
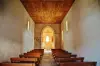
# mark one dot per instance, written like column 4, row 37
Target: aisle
column 47, row 60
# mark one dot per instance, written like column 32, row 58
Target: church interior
column 49, row 32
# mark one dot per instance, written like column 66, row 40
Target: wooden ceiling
column 47, row 11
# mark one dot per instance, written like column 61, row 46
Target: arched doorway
column 47, row 38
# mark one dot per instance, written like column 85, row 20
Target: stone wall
column 38, row 31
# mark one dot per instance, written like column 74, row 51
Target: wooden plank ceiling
column 47, row 11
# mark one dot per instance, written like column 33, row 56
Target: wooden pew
column 23, row 60
column 58, row 50
column 26, row 59
column 62, row 53
column 34, row 54
column 59, row 53
column 78, row 64
column 31, row 56
column 37, row 51
column 64, row 56
column 79, row 59
column 17, row 64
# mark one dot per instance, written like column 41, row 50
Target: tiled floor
column 47, row 60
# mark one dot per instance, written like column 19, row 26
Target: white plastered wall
column 83, row 37
column 13, row 19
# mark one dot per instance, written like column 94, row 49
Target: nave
column 47, row 60
column 57, row 57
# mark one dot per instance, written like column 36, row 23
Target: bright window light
column 66, row 26
column 62, row 35
column 28, row 25
column 47, row 38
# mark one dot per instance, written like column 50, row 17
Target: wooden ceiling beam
column 47, row 9
column 47, row 0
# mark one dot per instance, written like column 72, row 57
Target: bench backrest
column 30, row 56
column 78, row 64
column 79, row 59
column 23, row 60
column 17, row 64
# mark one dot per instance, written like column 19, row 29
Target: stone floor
column 47, row 60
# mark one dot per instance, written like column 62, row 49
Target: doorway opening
column 47, row 39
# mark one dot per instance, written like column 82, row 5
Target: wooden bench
column 64, row 56
column 17, row 64
column 78, row 64
column 58, row 50
column 22, row 60
column 37, row 50
column 61, row 53
column 79, row 59
column 31, row 56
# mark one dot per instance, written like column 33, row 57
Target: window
column 62, row 34
column 66, row 25
column 47, row 38
column 28, row 25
